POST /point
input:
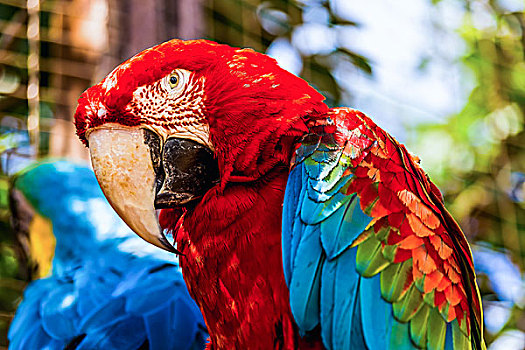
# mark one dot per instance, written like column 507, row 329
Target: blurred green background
column 447, row 78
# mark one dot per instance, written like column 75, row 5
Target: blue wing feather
column 126, row 334
column 59, row 313
column 358, row 337
column 28, row 311
column 292, row 215
column 304, row 292
column 327, row 306
column 342, row 228
column 344, row 299
column 37, row 339
column 157, row 326
column 380, row 329
column 184, row 317
column 104, row 315
column 375, row 314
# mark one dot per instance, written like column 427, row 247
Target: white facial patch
column 174, row 106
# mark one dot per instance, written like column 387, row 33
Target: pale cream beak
column 122, row 163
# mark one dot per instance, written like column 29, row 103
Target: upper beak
column 139, row 173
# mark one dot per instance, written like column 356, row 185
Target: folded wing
column 371, row 256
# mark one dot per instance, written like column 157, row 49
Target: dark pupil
column 173, row 80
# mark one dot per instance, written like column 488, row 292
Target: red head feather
column 250, row 103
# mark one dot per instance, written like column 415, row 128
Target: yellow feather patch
column 41, row 244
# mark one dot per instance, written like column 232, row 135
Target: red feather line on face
column 177, row 112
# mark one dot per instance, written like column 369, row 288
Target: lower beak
column 139, row 174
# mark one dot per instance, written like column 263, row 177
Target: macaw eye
column 174, row 82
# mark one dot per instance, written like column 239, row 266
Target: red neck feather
column 232, row 265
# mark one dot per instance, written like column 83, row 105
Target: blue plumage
column 377, row 323
column 305, row 289
column 320, row 223
column 108, row 288
column 342, row 228
column 323, row 290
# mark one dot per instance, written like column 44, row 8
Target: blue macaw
column 108, row 288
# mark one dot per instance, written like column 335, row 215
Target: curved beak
column 138, row 173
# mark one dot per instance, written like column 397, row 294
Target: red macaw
column 298, row 226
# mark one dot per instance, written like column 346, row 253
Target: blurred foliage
column 14, row 150
column 14, row 144
column 11, row 286
column 261, row 24
column 478, row 157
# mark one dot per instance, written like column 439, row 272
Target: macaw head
column 56, row 203
column 183, row 117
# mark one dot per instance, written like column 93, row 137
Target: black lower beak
column 185, row 170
